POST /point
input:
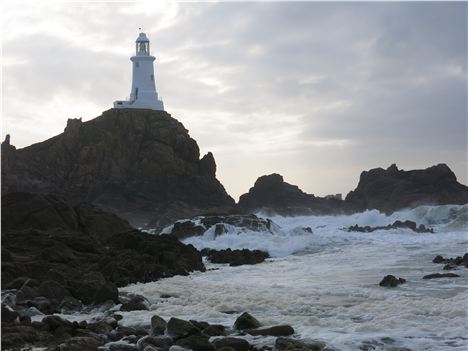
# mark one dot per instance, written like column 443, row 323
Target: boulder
column 277, row 330
column 196, row 343
column 395, row 225
column 236, row 344
column 156, row 342
column 135, row 303
column 390, row 281
column 246, row 321
column 158, row 325
column 178, row 328
column 214, row 330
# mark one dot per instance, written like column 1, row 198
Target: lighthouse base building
column 143, row 93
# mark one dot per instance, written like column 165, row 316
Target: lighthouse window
column 137, row 64
column 152, row 77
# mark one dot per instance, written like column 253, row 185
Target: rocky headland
column 140, row 164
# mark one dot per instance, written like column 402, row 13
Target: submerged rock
column 441, row 275
column 391, row 281
column 395, row 225
column 197, row 226
column 278, row 330
column 246, row 321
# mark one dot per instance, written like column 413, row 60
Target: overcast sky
column 317, row 92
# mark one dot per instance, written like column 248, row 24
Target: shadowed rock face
column 393, row 189
column 133, row 162
column 385, row 190
column 81, row 251
column 272, row 194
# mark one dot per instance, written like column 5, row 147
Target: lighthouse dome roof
column 142, row 38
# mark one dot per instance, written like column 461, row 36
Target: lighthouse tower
column 143, row 93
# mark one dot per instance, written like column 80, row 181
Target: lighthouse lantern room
column 143, row 94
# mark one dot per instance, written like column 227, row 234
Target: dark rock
column 53, row 290
column 452, row 263
column 8, row 314
column 130, row 161
column 157, row 342
column 122, row 347
column 81, row 344
column 15, row 336
column 158, row 325
column 272, row 194
column 395, row 225
column 69, row 261
column 199, row 224
column 135, row 303
column 19, row 282
column 237, row 344
column 286, row 344
column 278, row 330
column 393, row 189
column 391, row 281
column 185, row 229
column 236, row 257
column 196, row 343
column 178, row 328
column 55, row 322
column 441, row 275
column 199, row 324
column 246, row 321
column 214, row 330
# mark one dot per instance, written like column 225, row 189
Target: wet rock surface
column 452, row 263
column 395, row 225
column 235, row 257
column 390, row 281
column 220, row 223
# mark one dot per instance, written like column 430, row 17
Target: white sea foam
column 325, row 284
column 329, row 231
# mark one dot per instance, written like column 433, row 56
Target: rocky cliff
column 136, row 163
column 271, row 193
column 392, row 189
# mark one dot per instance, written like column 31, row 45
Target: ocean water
column 325, row 284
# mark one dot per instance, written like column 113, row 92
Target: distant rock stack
column 272, row 194
column 136, row 163
column 392, row 189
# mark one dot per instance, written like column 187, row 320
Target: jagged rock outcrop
column 58, row 251
column 392, row 189
column 134, row 162
column 272, row 194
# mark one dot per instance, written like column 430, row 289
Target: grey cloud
column 321, row 84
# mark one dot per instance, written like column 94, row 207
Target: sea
column 326, row 283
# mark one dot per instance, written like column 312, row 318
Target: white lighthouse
column 143, row 93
